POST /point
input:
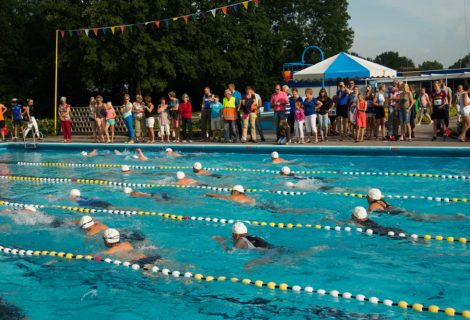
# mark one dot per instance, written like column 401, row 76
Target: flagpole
column 55, row 82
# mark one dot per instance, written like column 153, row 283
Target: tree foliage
column 461, row 63
column 431, row 65
column 246, row 47
column 392, row 59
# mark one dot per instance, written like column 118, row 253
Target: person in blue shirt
column 342, row 99
column 292, row 100
column 310, row 105
column 238, row 99
column 216, row 120
column 17, row 116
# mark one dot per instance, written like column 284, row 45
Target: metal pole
column 55, row 81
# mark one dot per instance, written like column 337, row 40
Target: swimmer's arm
column 75, row 222
column 217, row 196
column 340, row 222
column 222, row 242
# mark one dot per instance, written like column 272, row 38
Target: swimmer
column 90, row 226
column 171, row 153
column 163, row 197
column 236, row 195
column 92, row 153
column 140, row 155
column 275, row 159
column 119, row 153
column 199, row 171
column 241, row 239
column 30, row 216
column 286, row 172
column 126, row 169
column 9, row 311
column 75, row 195
column 376, row 203
column 183, row 181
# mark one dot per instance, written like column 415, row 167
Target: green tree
column 431, row 65
column 461, row 63
column 392, row 59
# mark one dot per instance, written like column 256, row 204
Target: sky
column 419, row 29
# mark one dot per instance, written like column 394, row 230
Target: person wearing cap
column 286, row 172
column 91, row 226
column 92, row 153
column 236, row 195
column 375, row 199
column 141, row 155
column 199, row 171
column 137, row 194
column 242, row 240
column 17, row 117
column 75, row 195
column 276, row 159
column 171, row 153
column 126, row 169
column 183, row 181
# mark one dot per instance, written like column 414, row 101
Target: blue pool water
column 433, row 273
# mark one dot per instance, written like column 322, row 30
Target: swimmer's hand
column 221, row 241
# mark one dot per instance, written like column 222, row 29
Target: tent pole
column 55, row 80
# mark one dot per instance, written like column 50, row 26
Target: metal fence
column 81, row 122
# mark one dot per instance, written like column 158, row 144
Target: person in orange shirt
column 3, row 109
column 361, row 118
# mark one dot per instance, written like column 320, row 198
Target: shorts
column 2, row 124
column 216, row 123
column 17, row 123
column 438, row 114
column 165, row 129
column 311, row 123
column 174, row 114
column 111, row 122
column 405, row 117
column 342, row 111
column 465, row 111
column 380, row 113
column 150, row 122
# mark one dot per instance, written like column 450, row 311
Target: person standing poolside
column 342, row 96
column 379, row 105
column 138, row 118
column 110, row 121
column 424, row 104
column 229, row 114
column 457, row 100
column 299, row 117
column 465, row 112
column 216, row 120
column 406, row 103
column 448, row 102
column 17, row 117
column 3, row 110
column 186, row 118
column 415, row 92
column 292, row 100
column 259, row 128
column 127, row 117
column 150, row 113
column 394, row 98
column 370, row 114
column 327, row 106
column 310, row 106
column 29, row 115
column 90, row 226
column 278, row 101
column 249, row 110
column 238, row 99
column 92, row 118
column 206, row 123
column 174, row 113
column 361, row 118
column 438, row 110
column 163, row 120
column 236, row 195
column 65, row 120
column 100, row 117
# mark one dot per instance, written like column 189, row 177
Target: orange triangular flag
column 62, row 33
column 224, row 10
column 112, row 29
column 245, row 4
column 157, row 23
column 185, row 18
column 95, row 31
column 123, row 28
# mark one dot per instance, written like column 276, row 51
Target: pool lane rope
column 331, row 172
column 219, row 189
column 418, row 307
column 222, row 221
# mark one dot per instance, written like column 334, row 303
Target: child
column 16, row 115
column 163, row 120
column 299, row 118
column 284, row 130
column 361, row 117
column 216, row 121
column 110, row 121
column 186, row 118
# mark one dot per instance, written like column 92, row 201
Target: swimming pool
column 428, row 272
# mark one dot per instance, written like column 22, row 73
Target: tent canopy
column 344, row 65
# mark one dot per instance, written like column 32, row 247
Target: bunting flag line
column 142, row 26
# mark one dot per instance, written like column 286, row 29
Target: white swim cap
column 239, row 188
column 30, row 208
column 197, row 166
column 285, row 170
column 125, row 168
column 290, row 184
column 168, row 150
column 375, row 194
column 274, row 155
column 239, row 228
column 111, row 236
column 84, row 153
column 86, row 222
column 360, row 213
column 127, row 190
column 180, row 175
column 75, row 193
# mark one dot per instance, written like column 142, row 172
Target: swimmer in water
column 236, row 195
column 377, row 204
column 286, row 172
column 183, row 181
column 90, row 226
column 125, row 169
column 9, row 311
column 171, row 153
column 275, row 159
column 75, row 195
column 163, row 197
column 242, row 240
column 119, row 153
column 199, row 171
column 30, row 216
column 92, row 153
column 140, row 155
